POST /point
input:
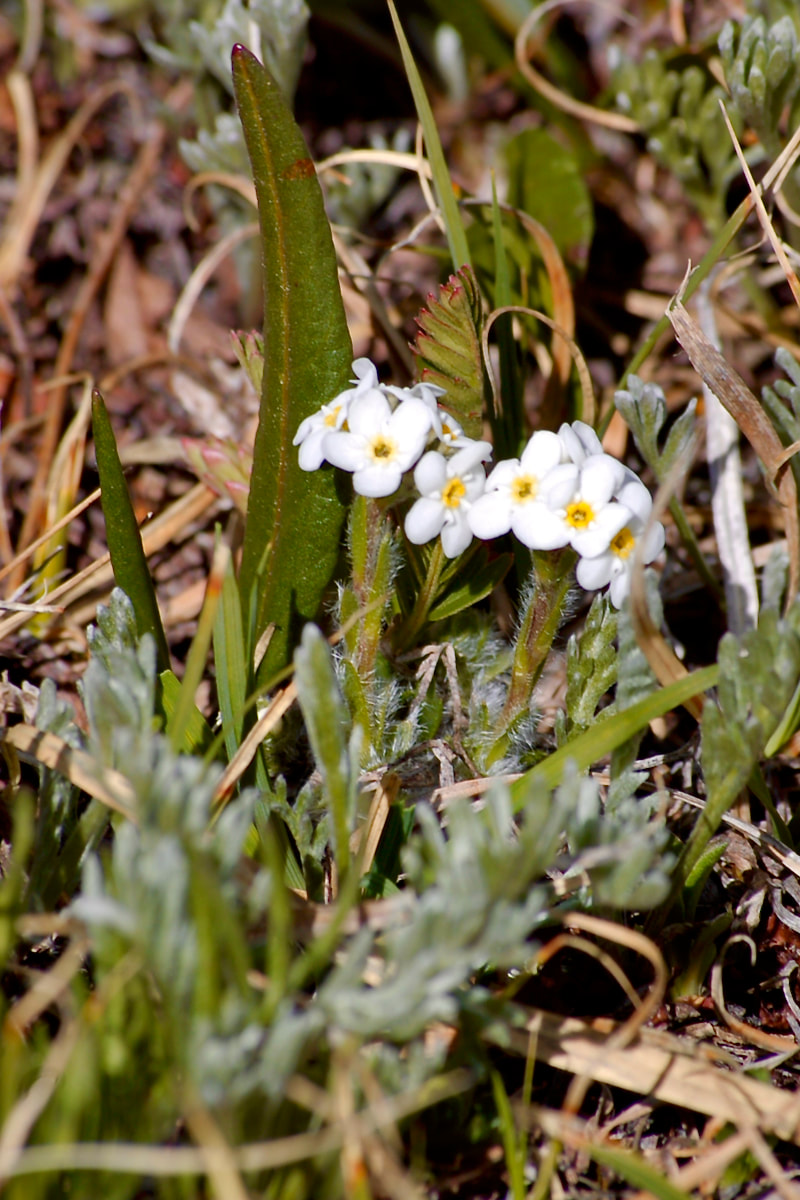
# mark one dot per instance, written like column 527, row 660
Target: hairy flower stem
column 415, row 620
column 370, row 546
column 543, row 612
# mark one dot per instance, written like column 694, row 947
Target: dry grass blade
column 26, row 1111
column 27, row 207
column 158, row 533
column 365, row 840
column 766, row 1041
column 664, row 1068
column 129, row 197
column 165, row 1161
column 588, row 407
column 632, row 940
column 37, row 746
column 584, row 112
column 74, row 512
column 731, row 390
column 763, row 215
column 241, row 760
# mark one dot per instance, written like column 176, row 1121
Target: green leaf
column 195, row 735
column 635, row 1170
column 448, row 348
column 456, row 238
column 545, row 181
column 482, row 580
column 128, row 559
column 230, row 659
column 327, row 723
column 294, row 517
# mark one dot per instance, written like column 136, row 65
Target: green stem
column 550, row 581
column 419, row 614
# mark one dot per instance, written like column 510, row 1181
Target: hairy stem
column 543, row 612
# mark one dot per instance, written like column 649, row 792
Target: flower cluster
column 563, row 490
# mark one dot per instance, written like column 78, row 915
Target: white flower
column 312, row 431
column 614, row 565
column 378, row 444
column 578, row 442
column 583, row 500
column 515, row 497
column 448, row 487
column 443, row 425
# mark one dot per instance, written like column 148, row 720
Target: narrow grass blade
column 294, row 517
column 178, row 726
column 456, row 237
column 604, row 737
column 230, row 657
column 122, row 534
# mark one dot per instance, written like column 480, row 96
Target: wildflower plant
column 282, row 906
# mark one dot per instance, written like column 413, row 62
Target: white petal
column 411, row 420
column 538, row 528
column 424, row 520
column 377, row 481
column 475, row 482
column 620, row 586
column 654, row 543
column 594, row 573
column 456, row 536
column 368, row 413
column 542, row 454
column 469, row 456
column 365, row 372
column 596, row 538
column 430, row 473
column 587, row 437
column 560, row 485
column 504, row 474
column 311, row 455
column 490, row 516
column 344, row 450
column 601, row 475
column 635, row 496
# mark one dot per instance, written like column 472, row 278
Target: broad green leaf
column 294, row 517
column 545, row 181
column 448, row 348
column 481, row 581
column 456, row 237
column 128, row 559
column 603, row 738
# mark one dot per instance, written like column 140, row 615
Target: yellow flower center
column 453, row 493
column 524, row 488
column 330, row 417
column 580, row 514
column 622, row 545
column 383, row 448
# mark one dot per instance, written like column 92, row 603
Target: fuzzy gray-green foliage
column 758, row 675
column 761, row 68
column 591, row 667
column 676, row 102
column 176, row 906
column 644, row 409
